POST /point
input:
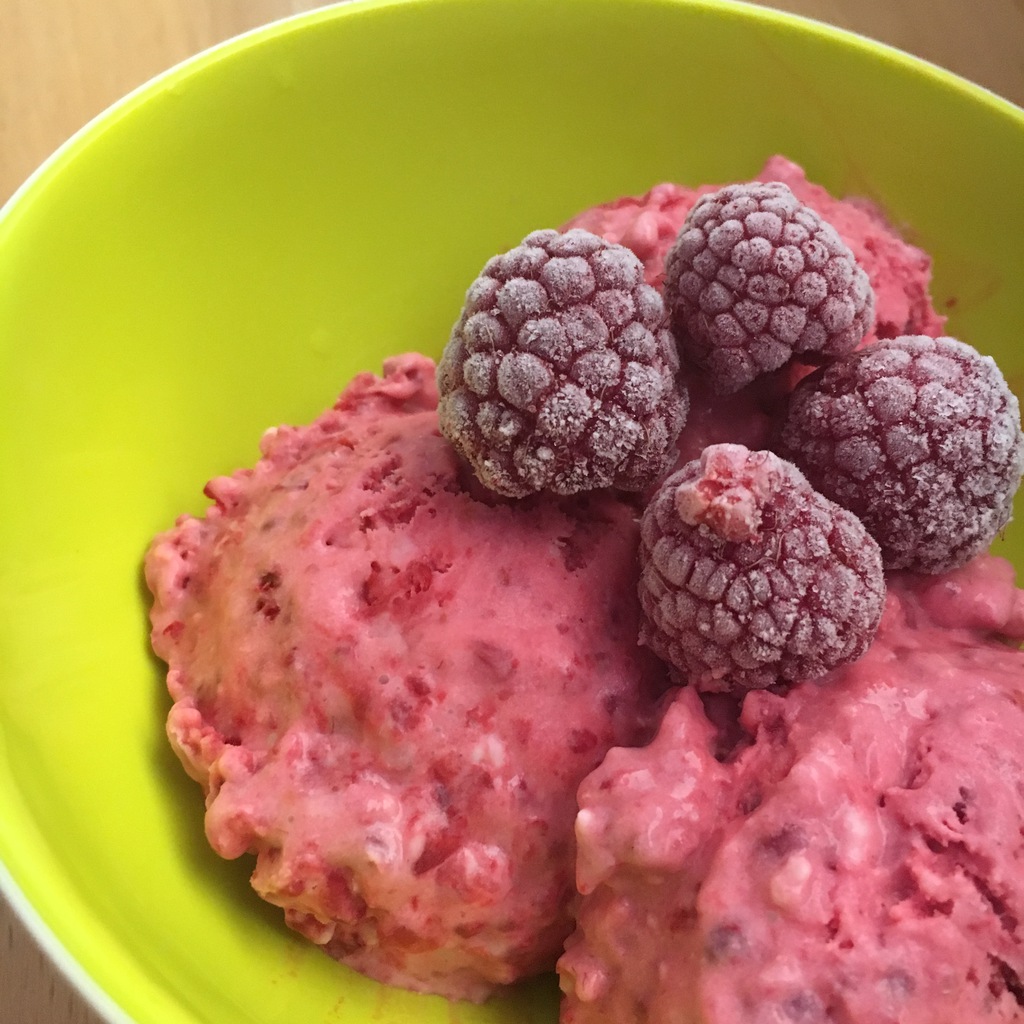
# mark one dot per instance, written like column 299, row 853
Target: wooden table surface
column 62, row 61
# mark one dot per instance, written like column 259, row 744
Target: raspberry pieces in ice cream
column 390, row 689
column 851, row 853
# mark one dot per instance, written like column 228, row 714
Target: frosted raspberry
column 560, row 374
column 750, row 578
column 921, row 438
column 755, row 278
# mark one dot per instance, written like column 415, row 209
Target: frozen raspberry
column 755, row 278
column 560, row 374
column 750, row 578
column 919, row 437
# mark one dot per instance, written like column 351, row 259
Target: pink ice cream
column 900, row 274
column 391, row 684
column 851, row 853
column 647, row 224
column 390, row 689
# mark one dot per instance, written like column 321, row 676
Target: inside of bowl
column 225, row 249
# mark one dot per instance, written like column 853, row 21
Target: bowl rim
column 46, row 940
column 41, row 932
column 123, row 105
column 750, row 9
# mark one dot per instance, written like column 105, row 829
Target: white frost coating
column 754, row 253
column 568, row 279
column 903, row 434
column 584, row 357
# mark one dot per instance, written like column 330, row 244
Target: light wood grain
column 64, row 61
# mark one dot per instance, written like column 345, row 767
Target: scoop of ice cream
column 648, row 224
column 390, row 688
column 849, row 853
column 899, row 272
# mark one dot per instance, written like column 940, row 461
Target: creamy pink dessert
column 851, row 852
column 390, row 685
column 398, row 689
column 900, row 275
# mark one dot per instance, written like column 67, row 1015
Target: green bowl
column 224, row 248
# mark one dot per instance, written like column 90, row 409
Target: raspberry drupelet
column 561, row 373
column 756, row 278
column 919, row 437
column 750, row 578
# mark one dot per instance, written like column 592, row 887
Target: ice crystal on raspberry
column 561, row 373
column 755, row 278
column 919, row 437
column 750, row 578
